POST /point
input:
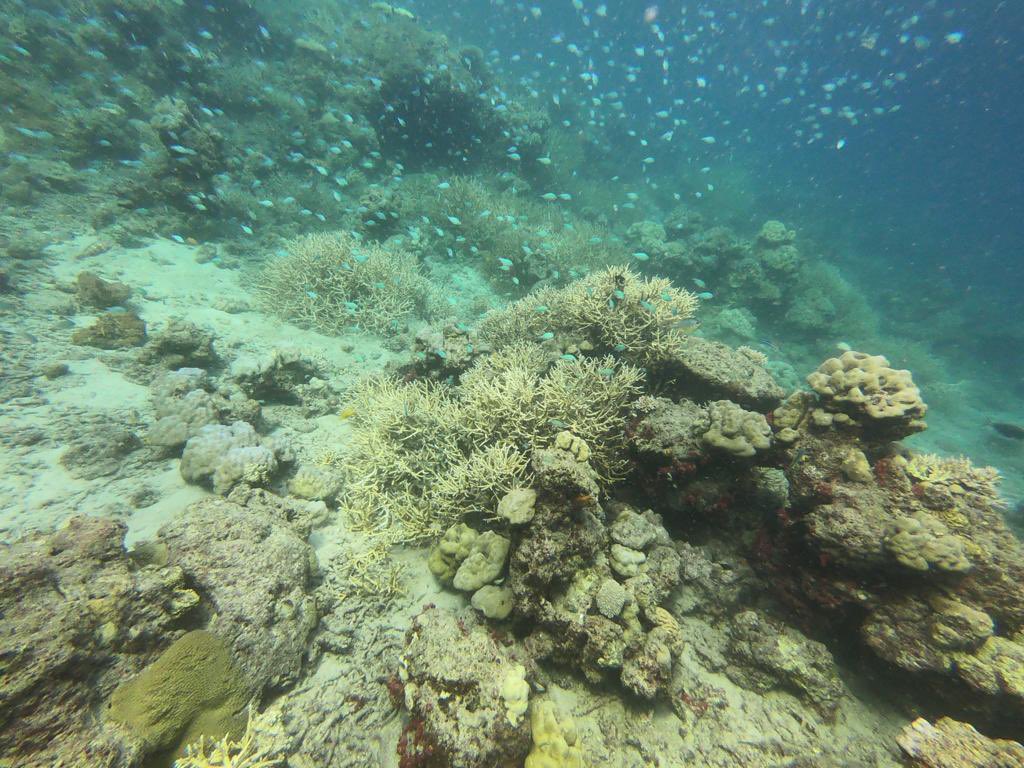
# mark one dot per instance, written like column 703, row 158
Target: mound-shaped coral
column 864, row 388
column 191, row 691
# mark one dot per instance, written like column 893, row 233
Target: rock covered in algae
column 112, row 330
column 192, row 690
column 949, row 743
column 255, row 572
column 466, row 689
column 93, row 291
column 79, row 618
column 770, row 655
column 712, row 371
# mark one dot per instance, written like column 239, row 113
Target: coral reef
column 236, row 552
column 913, row 548
column 80, row 618
column 191, row 691
column 332, row 282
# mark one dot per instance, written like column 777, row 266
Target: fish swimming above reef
column 393, row 10
column 1006, row 429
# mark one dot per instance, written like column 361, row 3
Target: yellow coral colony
column 554, row 741
column 423, row 455
column 331, row 281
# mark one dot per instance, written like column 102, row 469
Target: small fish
column 546, row 336
column 705, row 295
column 347, row 412
column 640, row 256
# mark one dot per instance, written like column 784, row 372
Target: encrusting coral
column 332, row 281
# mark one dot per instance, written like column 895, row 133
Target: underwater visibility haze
column 564, row 384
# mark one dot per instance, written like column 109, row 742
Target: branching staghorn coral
column 614, row 311
column 370, row 574
column 251, row 751
column 330, row 281
column 957, row 474
column 424, row 456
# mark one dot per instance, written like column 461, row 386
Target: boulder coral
column 191, row 691
column 916, row 546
